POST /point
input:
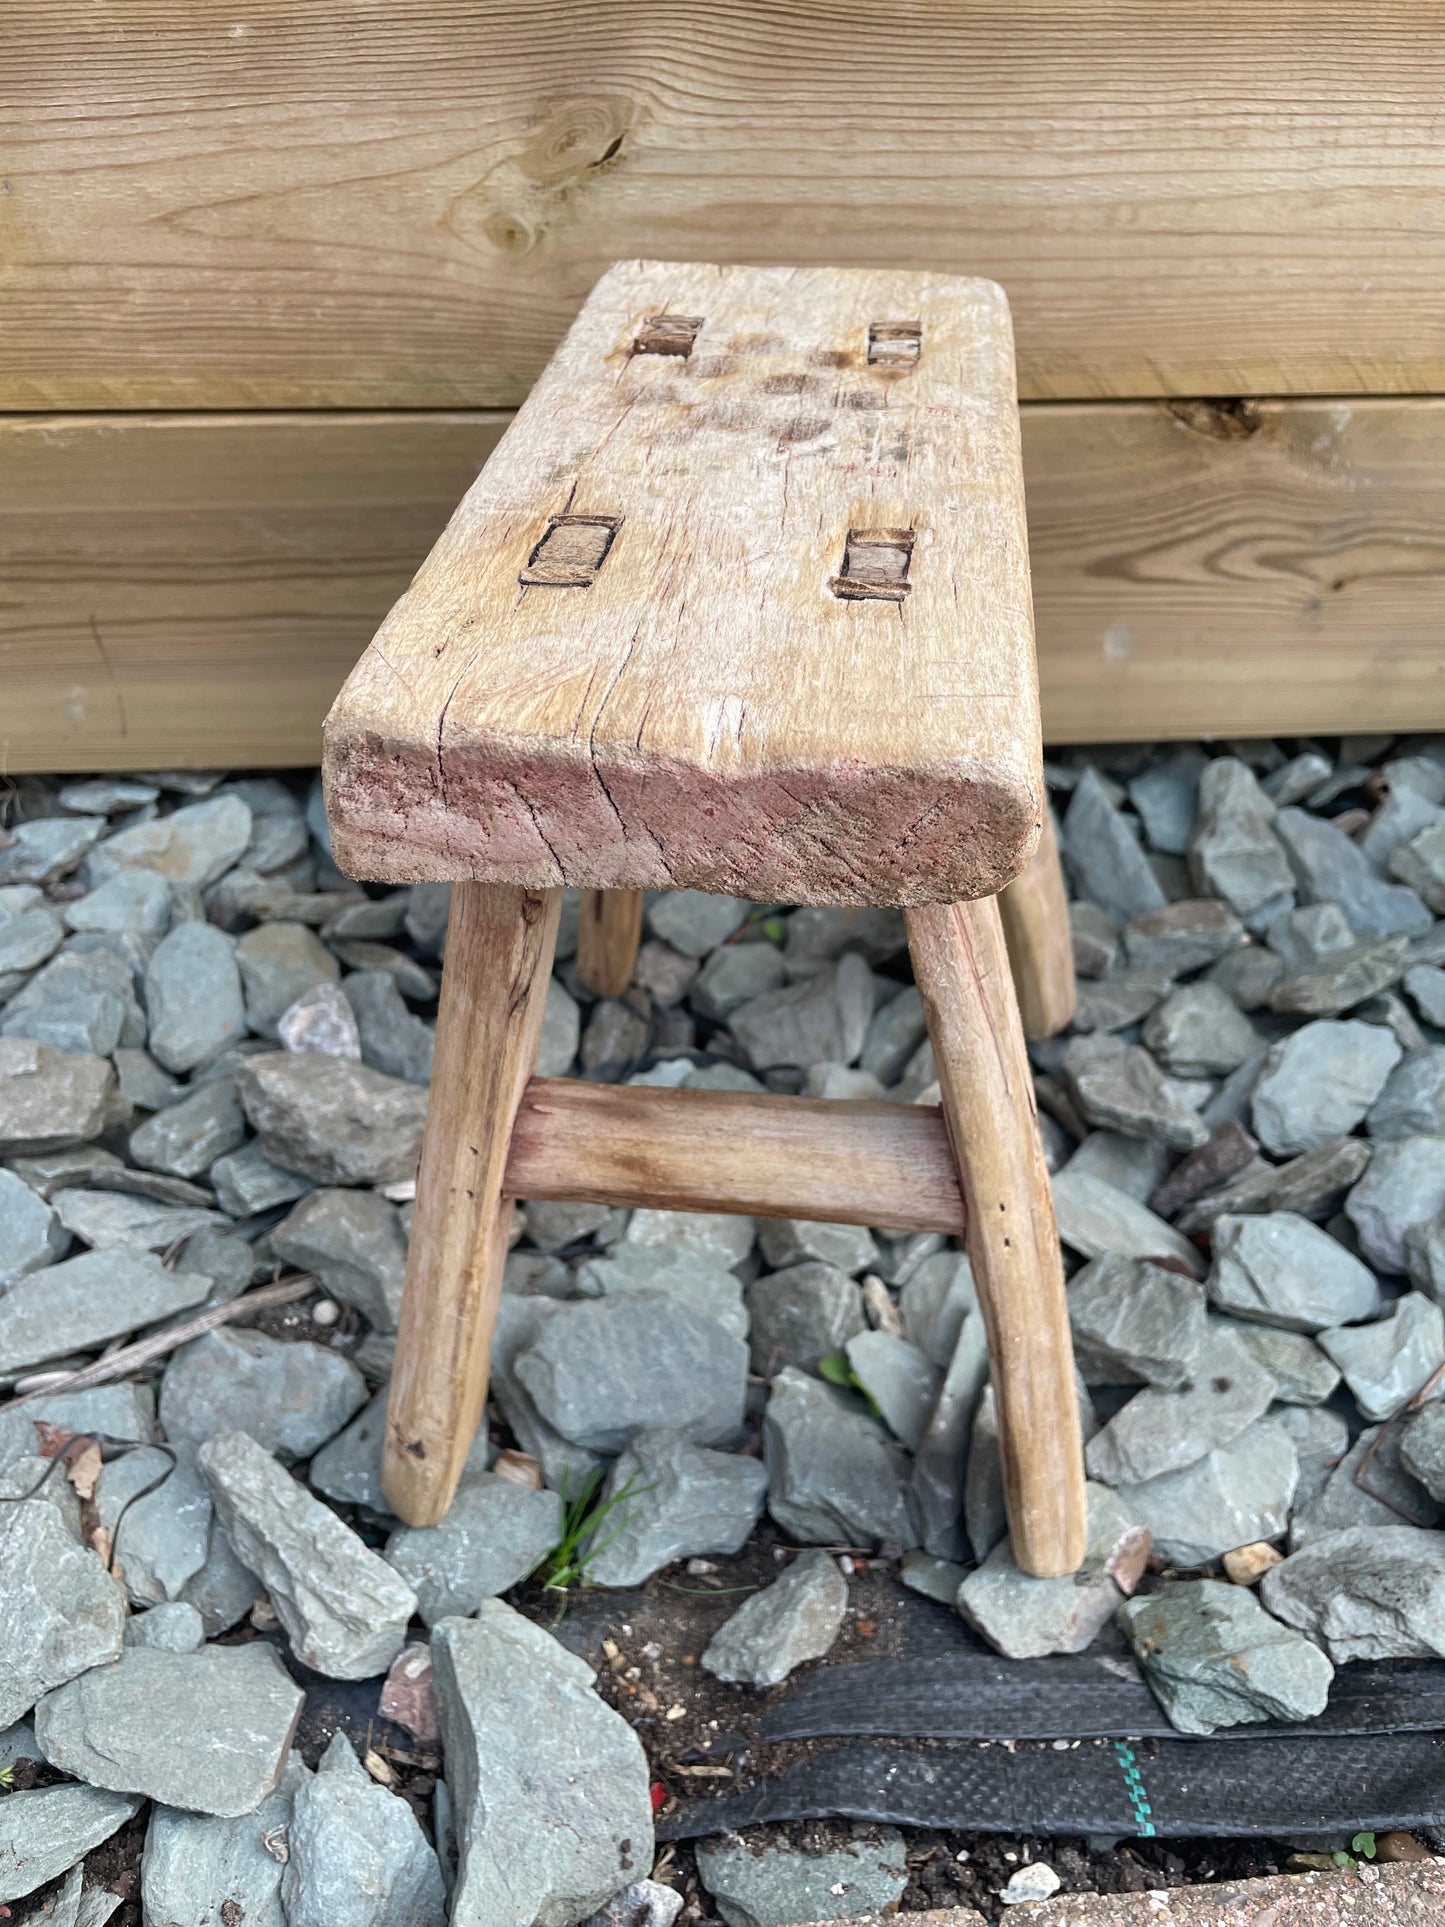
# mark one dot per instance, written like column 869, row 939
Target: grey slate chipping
column 682, row 1501
column 549, row 1787
column 796, row 1618
column 207, row 1730
column 345, row 1609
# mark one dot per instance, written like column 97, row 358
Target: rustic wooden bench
column 740, row 603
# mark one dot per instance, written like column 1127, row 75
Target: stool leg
column 1035, row 911
column 608, row 935
column 961, row 965
column 494, row 991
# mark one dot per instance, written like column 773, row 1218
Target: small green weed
column 7, row 1778
column 836, row 1369
column 566, row 1564
column 1362, row 1847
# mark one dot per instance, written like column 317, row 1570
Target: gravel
column 599, row 1372
column 778, row 1884
column 1133, row 1322
column 356, row 1854
column 1098, row 1220
column 822, row 1020
column 1366, row 1593
column 494, row 1533
column 156, row 1507
column 1235, row 1495
column 196, row 1864
column 1282, row 1270
column 834, row 1475
column 1161, row 1431
column 802, row 1315
column 1403, row 1187
column 669, row 1270
column 63, row 1613
column 291, row 1396
column 1119, row 1087
column 1214, row 1657
column 50, row 1099
column 1025, row 1618
column 1422, row 1450
column 1388, row 1362
column 332, row 1120
column 31, row 1234
column 548, row 1785
column 1234, row 853
column 207, row 1730
column 939, row 1465
column 195, row 845
column 669, row 1499
column 1319, row 1082
column 354, row 1243
column 1199, row 1031
column 899, row 1379
column 87, row 1301
column 213, row 1060
column 1332, row 1499
column 795, row 1619
column 1182, row 936
column 186, row 1139
column 47, row 1830
column 193, row 997
column 345, row 1609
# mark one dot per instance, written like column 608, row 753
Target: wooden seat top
column 740, row 603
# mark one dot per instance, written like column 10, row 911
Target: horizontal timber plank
column 342, row 204
column 195, row 588
column 834, row 1160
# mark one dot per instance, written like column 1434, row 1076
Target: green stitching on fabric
column 1138, row 1795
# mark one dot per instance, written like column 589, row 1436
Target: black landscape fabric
column 979, row 1696
column 1177, row 1788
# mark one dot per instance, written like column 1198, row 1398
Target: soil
column 968, row 1869
column 646, row 1646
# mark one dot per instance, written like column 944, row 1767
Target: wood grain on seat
column 740, row 602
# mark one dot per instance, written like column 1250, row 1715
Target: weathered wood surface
column 196, row 588
column 349, row 205
column 1035, row 912
column 961, row 965
column 499, row 959
column 609, row 932
column 1275, row 568
column 740, row 603
column 833, row 1160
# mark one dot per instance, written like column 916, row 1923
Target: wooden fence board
column 195, row 588
column 339, row 203
column 1277, row 572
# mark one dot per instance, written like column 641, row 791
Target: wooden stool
column 740, row 603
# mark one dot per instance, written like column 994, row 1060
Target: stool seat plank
column 739, row 603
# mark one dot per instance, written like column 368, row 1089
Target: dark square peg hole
column 667, row 334
column 875, row 566
column 894, row 344
column 570, row 553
